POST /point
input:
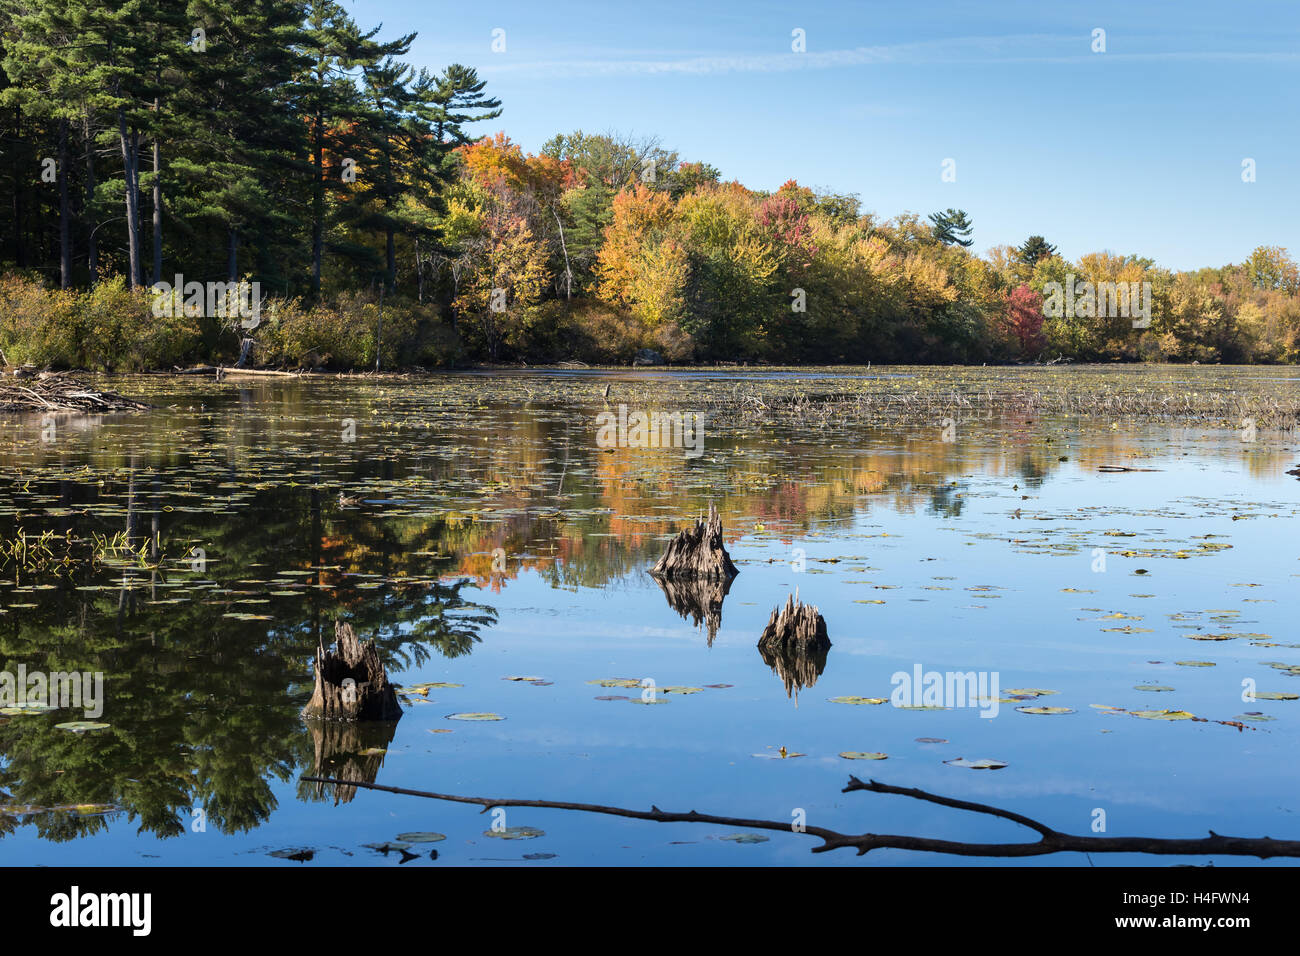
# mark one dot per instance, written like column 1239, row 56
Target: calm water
column 976, row 554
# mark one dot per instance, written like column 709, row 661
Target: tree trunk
column 157, row 209
column 232, row 255
column 65, row 239
column 352, row 684
column 568, row 272
column 92, row 258
column 318, row 206
column 132, row 219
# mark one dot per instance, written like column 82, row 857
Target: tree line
column 282, row 143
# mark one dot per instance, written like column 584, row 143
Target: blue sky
column 1137, row 149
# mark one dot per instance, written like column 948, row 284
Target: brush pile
column 26, row 391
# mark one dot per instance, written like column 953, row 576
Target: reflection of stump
column 352, row 684
column 349, row 751
column 697, row 599
column 794, row 644
column 697, row 553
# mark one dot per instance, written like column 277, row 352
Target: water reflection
column 205, row 555
column 698, row 600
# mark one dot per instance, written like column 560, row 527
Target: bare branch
column 1051, row 841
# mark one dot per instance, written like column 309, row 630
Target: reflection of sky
column 1152, row 778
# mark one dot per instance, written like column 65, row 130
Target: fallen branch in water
column 1049, row 841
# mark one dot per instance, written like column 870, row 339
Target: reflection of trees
column 204, row 707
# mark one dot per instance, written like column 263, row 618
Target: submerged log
column 794, row 644
column 697, row 599
column 697, row 553
column 351, row 684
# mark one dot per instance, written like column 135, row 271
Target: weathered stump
column 794, row 644
column 697, row 553
column 351, row 684
column 697, row 599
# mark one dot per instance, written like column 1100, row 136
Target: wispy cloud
column 1025, row 48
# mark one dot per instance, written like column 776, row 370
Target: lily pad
column 982, row 764
column 515, row 833
column 1163, row 714
column 862, row 755
column 81, row 726
column 1045, row 710
column 475, row 716
column 858, row 700
column 421, row 836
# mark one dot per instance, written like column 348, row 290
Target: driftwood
column 1049, row 841
column 697, row 598
column 227, row 370
column 697, row 553
column 55, row 393
column 351, row 684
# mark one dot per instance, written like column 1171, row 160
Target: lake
column 496, row 548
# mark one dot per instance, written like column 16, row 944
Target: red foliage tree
column 1024, row 319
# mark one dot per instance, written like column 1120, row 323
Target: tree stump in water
column 351, row 684
column 794, row 644
column 697, row 553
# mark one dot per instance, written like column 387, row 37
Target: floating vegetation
column 982, row 764
column 421, row 836
column 858, row 700
column 515, row 833
column 862, row 755
column 475, row 716
column 1163, row 714
column 1045, row 710
column 744, row 838
column 81, row 726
